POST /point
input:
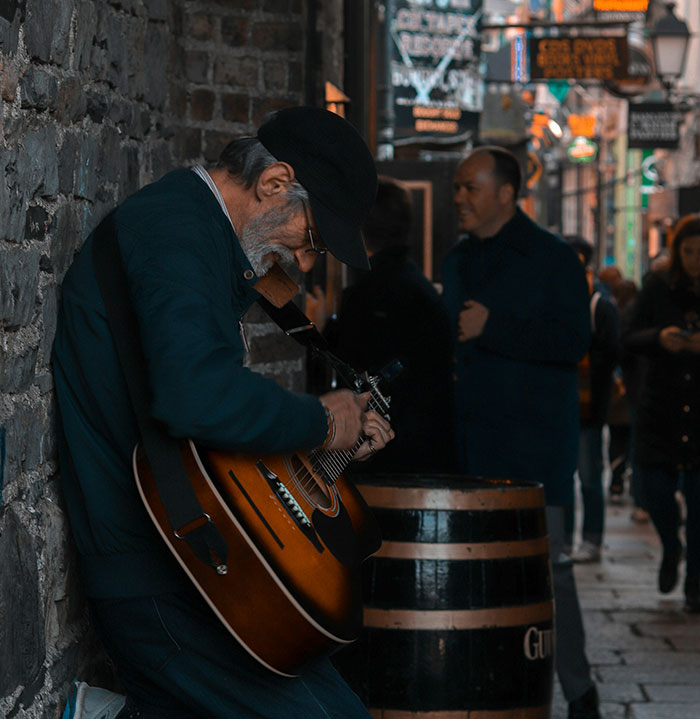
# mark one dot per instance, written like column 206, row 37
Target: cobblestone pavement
column 643, row 648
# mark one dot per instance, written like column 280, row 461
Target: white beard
column 258, row 248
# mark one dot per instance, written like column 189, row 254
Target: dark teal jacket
column 516, row 393
column 190, row 283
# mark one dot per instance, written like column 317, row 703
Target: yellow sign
column 601, row 57
column 582, row 125
column 621, row 5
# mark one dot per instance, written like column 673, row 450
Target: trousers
column 175, row 659
column 660, row 487
column 572, row 665
column 590, row 472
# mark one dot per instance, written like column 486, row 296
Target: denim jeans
column 660, row 486
column 176, row 661
column 590, row 472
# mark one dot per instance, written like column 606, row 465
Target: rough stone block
column 47, row 29
column 19, row 280
column 201, row 26
column 86, row 179
column 72, row 103
column 235, row 108
column 85, row 26
column 12, row 199
column 196, row 66
column 22, row 646
column 18, row 370
column 66, row 164
column 234, row 31
column 187, row 143
column 37, row 223
column 38, row 165
column 9, row 79
column 156, row 9
column 11, row 16
column 275, row 75
column 202, row 105
column 279, row 36
column 39, row 90
column 65, row 237
column 237, row 71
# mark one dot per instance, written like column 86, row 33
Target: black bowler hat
column 336, row 168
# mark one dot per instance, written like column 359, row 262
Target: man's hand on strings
column 351, row 417
column 378, row 433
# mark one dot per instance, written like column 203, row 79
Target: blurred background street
column 644, row 649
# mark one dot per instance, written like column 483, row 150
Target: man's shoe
column 692, row 595
column 668, row 571
column 587, row 553
column 86, row 702
column 586, row 706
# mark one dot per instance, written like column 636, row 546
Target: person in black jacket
column 665, row 327
column 394, row 312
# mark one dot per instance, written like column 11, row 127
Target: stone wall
column 98, row 97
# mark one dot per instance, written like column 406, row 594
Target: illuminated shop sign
column 435, row 80
column 582, row 150
column 578, row 58
column 621, row 5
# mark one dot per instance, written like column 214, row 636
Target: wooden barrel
column 458, row 606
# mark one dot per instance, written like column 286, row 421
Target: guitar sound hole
column 314, row 488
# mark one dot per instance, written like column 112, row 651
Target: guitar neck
column 329, row 464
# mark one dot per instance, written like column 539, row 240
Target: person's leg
column 572, row 665
column 659, row 492
column 590, row 467
column 176, row 659
column 617, row 456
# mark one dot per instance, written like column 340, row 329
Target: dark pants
column 659, row 491
column 176, row 660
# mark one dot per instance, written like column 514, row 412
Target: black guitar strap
column 182, row 506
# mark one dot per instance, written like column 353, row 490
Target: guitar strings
column 329, row 464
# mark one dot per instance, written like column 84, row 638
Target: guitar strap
column 185, row 513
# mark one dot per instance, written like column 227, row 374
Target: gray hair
column 246, row 158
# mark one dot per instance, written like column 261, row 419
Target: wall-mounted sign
column 652, row 124
column 582, row 125
column 578, row 58
column 638, row 75
column 582, row 150
column 436, row 84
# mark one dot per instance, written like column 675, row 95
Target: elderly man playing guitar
column 221, row 595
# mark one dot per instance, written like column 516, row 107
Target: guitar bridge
column 289, row 502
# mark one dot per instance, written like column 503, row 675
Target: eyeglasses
column 314, row 247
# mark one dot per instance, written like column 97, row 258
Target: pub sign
column 435, row 80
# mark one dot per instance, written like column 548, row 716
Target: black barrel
column 458, row 605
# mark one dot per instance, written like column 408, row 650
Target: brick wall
column 98, row 97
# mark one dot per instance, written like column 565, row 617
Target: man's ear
column 274, row 180
column 506, row 194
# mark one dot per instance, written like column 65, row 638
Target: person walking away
column 518, row 304
column 665, row 329
column 595, row 384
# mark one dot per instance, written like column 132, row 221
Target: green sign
column 582, row 150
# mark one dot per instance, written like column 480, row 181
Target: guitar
column 297, row 533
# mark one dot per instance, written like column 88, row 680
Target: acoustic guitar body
column 291, row 588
